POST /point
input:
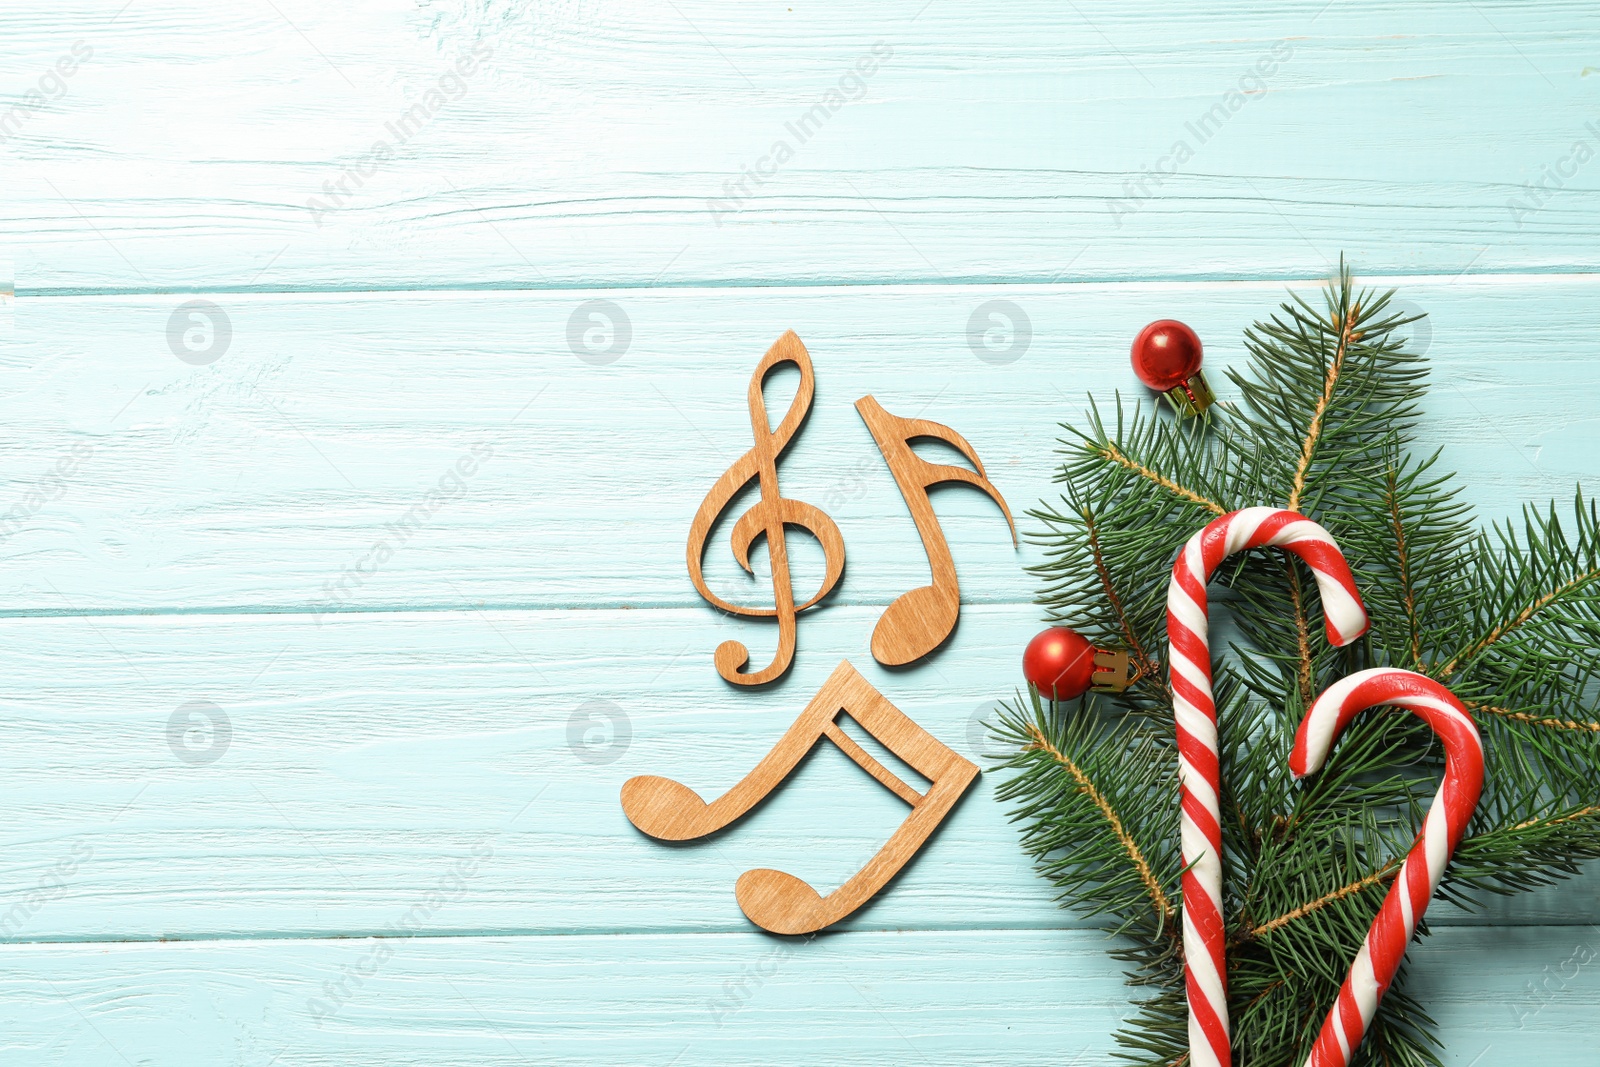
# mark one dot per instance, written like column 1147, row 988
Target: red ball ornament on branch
column 1166, row 357
column 1062, row 664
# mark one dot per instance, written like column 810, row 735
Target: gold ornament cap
column 1192, row 396
column 1110, row 671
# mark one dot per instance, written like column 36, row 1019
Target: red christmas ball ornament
column 1166, row 357
column 1062, row 664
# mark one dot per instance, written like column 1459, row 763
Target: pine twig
column 1500, row 631
column 1536, row 720
column 1302, row 629
column 1113, row 454
column 1581, row 813
column 1387, row 871
column 1344, row 323
column 1152, row 885
column 1145, row 665
column 1403, row 557
column 1307, row 450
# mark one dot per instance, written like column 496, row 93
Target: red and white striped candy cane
column 1199, row 777
column 1391, row 931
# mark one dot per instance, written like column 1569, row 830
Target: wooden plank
column 1007, row 997
column 363, row 759
column 637, row 144
column 268, row 479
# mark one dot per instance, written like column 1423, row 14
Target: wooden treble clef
column 768, row 517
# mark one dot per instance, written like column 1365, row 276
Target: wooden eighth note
column 767, row 517
column 919, row 621
column 782, row 903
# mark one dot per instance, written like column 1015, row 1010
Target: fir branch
column 1302, row 630
column 1382, row 874
column 1112, row 454
column 1345, row 324
column 1540, row 610
column 1411, row 544
column 1110, row 540
column 1522, row 855
column 1582, row 813
column 1158, row 897
column 1094, row 794
column 1503, row 629
column 1408, row 593
column 1535, row 720
column 1146, row 668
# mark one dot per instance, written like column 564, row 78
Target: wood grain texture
column 606, row 143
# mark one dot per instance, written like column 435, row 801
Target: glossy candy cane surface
column 1195, row 712
column 1375, row 966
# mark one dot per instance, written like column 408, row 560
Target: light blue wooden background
column 412, row 758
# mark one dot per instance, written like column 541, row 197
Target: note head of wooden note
column 916, row 624
column 779, row 903
column 663, row 808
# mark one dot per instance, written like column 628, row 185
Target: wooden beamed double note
column 780, row 902
column 919, row 621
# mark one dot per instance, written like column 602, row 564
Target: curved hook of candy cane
column 1195, row 712
column 1379, row 959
